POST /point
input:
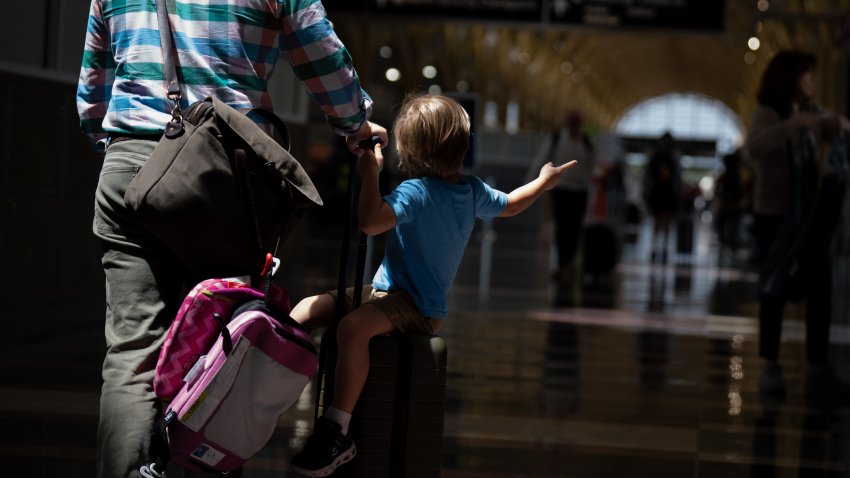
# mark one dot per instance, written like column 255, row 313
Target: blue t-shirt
column 434, row 221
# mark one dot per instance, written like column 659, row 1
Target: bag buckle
column 174, row 128
column 177, row 112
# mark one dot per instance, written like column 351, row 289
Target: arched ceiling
column 602, row 73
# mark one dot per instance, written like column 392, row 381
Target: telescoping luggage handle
column 353, row 194
column 329, row 337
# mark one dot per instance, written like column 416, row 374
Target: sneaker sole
column 340, row 460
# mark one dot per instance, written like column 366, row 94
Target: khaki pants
column 399, row 308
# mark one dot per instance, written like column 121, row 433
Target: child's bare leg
column 352, row 367
column 331, row 444
column 315, row 311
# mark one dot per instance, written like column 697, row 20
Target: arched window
column 687, row 116
column 705, row 129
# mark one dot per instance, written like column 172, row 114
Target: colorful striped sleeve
column 322, row 63
column 94, row 89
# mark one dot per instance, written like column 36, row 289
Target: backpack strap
column 588, row 145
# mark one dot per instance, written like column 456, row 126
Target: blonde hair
column 432, row 135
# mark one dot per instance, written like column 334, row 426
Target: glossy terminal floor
column 651, row 375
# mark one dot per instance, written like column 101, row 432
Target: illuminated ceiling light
column 763, row 5
column 524, row 58
column 462, row 86
column 435, row 89
column 393, row 74
column 750, row 58
column 759, row 26
column 753, row 43
column 385, row 52
column 566, row 68
column 429, row 71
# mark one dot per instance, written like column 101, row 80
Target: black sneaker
column 326, row 449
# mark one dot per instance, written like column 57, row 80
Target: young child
column 430, row 218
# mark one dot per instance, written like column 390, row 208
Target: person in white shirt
column 570, row 195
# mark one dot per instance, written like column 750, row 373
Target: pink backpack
column 237, row 387
column 195, row 327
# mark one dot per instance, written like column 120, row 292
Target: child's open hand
column 520, row 198
column 551, row 174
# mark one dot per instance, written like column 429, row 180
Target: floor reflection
column 651, row 372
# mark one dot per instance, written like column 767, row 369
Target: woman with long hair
column 786, row 126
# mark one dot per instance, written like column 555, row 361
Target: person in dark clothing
column 662, row 185
column 793, row 219
column 732, row 197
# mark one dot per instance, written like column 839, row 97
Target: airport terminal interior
column 632, row 362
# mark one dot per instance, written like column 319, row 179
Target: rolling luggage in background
column 397, row 424
column 685, row 235
column 601, row 248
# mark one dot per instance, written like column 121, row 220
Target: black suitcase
column 685, row 235
column 397, row 424
column 601, row 249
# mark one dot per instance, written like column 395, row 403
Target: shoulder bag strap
column 169, row 61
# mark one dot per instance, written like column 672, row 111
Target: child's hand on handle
column 551, row 174
column 370, row 161
column 374, row 215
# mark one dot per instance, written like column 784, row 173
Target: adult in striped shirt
column 227, row 49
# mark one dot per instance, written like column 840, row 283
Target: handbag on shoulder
column 218, row 189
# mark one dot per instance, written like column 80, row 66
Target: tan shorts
column 399, row 308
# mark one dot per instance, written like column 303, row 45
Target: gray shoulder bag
column 218, row 190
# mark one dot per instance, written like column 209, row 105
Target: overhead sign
column 659, row 14
column 703, row 15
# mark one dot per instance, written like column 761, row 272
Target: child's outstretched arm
column 374, row 215
column 520, row 198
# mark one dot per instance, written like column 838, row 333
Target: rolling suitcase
column 397, row 424
column 685, row 235
column 601, row 249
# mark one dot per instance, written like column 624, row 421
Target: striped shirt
column 226, row 49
